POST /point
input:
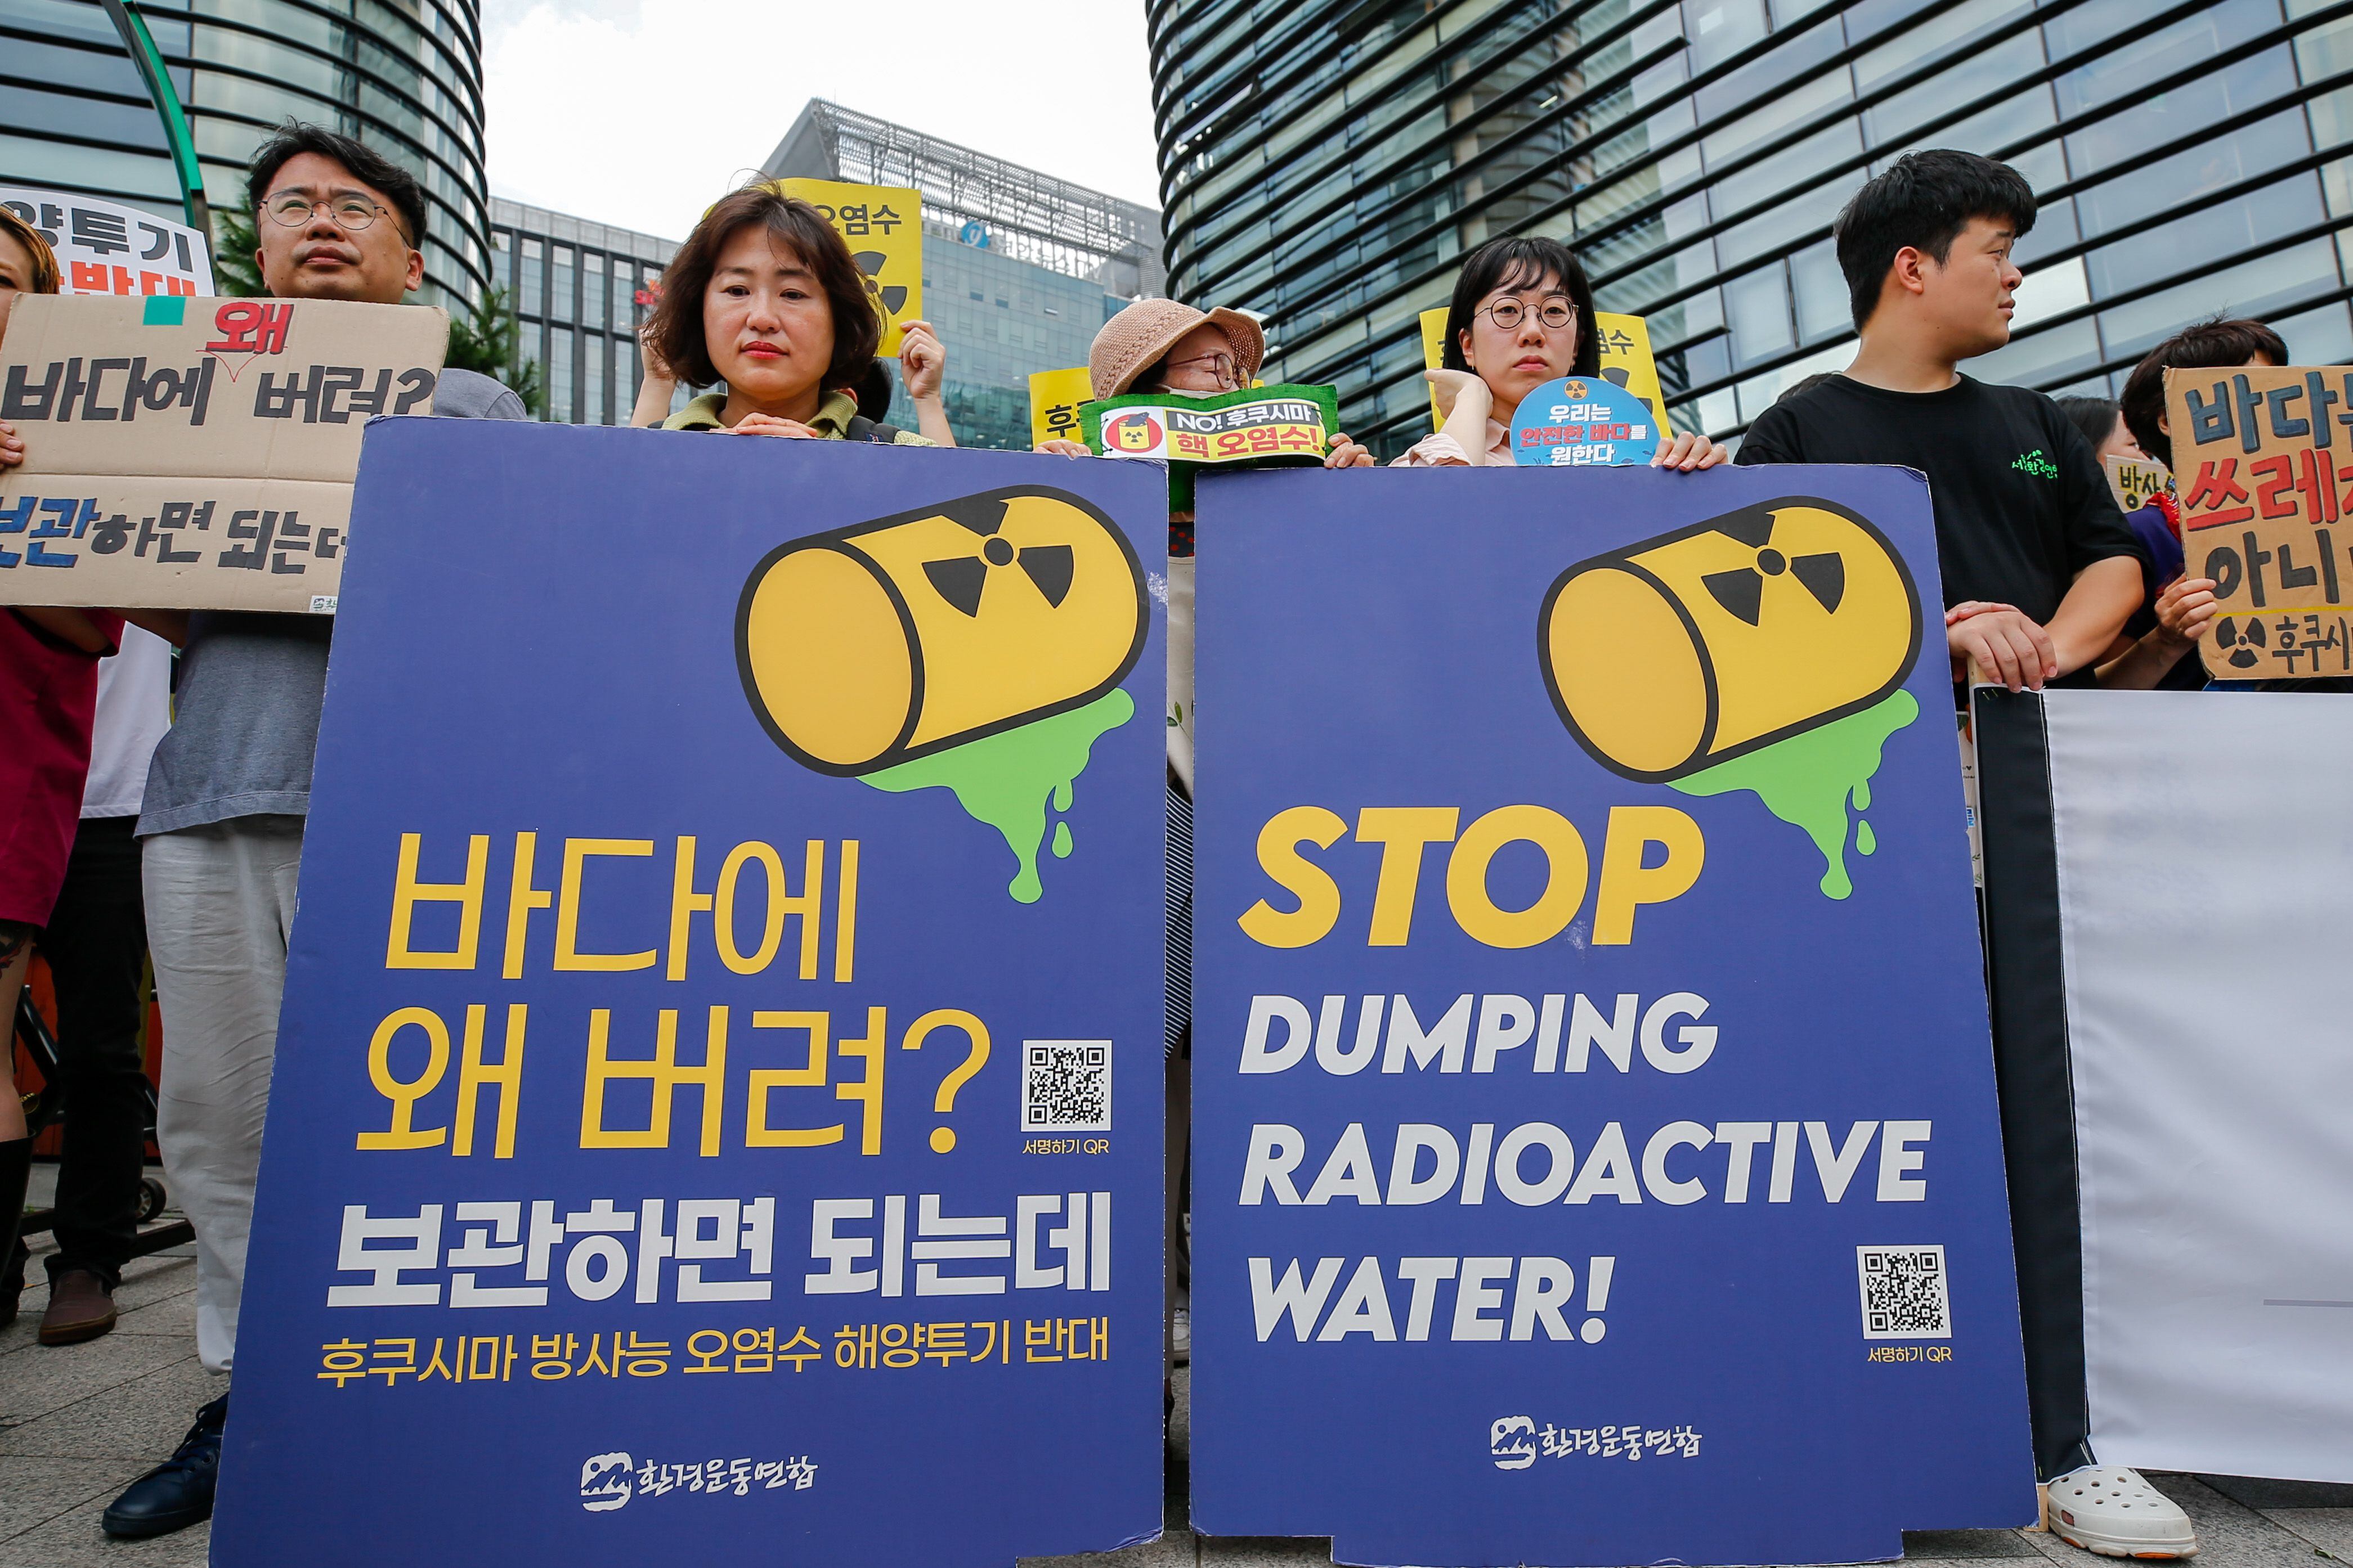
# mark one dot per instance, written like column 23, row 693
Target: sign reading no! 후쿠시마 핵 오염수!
column 2263, row 457
column 193, row 453
column 1596, row 1155
column 706, row 1088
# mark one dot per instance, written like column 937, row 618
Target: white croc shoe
column 2111, row 1511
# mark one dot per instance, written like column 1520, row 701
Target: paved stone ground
column 76, row 1422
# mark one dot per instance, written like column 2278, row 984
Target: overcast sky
column 641, row 113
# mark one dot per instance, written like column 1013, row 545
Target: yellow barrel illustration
column 1698, row 646
column 869, row 646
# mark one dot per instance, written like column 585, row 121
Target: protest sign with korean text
column 1582, row 421
column 1596, row 1154
column 105, row 248
column 884, row 227
column 718, row 1099
column 193, row 453
column 1252, row 427
column 2137, row 482
column 1055, row 397
column 2264, row 460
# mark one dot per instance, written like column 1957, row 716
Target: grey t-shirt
column 251, row 686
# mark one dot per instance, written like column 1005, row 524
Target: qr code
column 1066, row 1086
column 1903, row 1295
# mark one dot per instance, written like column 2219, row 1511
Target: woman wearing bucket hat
column 1161, row 345
column 1522, row 316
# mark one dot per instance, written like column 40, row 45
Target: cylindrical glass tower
column 403, row 76
column 1329, row 162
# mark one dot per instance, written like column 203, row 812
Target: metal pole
column 166, row 100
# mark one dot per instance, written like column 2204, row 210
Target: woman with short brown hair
column 763, row 299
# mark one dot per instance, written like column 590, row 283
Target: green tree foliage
column 234, row 273
column 490, row 340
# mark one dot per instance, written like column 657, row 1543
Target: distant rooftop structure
column 525, row 218
column 1018, row 211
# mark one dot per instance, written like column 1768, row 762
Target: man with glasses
column 229, row 789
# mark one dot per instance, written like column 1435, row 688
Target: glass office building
column 403, row 76
column 1020, row 268
column 580, row 291
column 1328, row 164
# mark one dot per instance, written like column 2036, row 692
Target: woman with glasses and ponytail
column 1522, row 316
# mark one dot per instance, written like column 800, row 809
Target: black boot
column 16, row 1171
column 179, row 1491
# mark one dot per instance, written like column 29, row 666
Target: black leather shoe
column 178, row 1493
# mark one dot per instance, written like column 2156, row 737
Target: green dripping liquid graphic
column 1808, row 779
column 1003, row 780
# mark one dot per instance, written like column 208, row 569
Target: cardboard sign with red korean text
column 196, row 454
column 2137, row 482
column 2264, row 460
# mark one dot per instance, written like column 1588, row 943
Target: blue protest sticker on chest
column 1583, row 421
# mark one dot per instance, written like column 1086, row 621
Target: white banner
column 2206, row 883
column 105, row 248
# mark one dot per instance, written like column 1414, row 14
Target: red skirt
column 48, row 697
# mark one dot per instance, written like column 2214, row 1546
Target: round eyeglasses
column 1508, row 314
column 293, row 209
column 1222, row 368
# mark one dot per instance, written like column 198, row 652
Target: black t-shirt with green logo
column 2022, row 505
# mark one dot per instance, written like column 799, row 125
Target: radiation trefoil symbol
column 1765, row 649
column 887, row 299
column 976, row 644
column 960, row 579
column 1741, row 590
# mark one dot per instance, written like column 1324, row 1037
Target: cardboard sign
column 2137, row 482
column 718, row 1113
column 1252, row 427
column 1626, row 360
column 884, row 228
column 2266, row 458
column 1596, row 1152
column 1055, row 396
column 1582, row 422
column 197, row 455
column 104, row 247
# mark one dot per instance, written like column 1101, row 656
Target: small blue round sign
column 1583, row 421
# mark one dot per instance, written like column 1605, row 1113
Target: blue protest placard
column 1583, row 421
column 1596, row 1157
column 718, row 1097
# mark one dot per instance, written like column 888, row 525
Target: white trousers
column 220, row 901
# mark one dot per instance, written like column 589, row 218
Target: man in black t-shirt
column 2038, row 566
column 2040, row 574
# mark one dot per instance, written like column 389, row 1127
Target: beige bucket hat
column 1134, row 340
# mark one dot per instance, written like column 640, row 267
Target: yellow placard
column 1433, row 353
column 884, row 225
column 1625, row 359
column 1054, row 399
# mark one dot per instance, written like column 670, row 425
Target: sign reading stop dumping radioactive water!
column 718, row 1101
column 1596, row 1157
